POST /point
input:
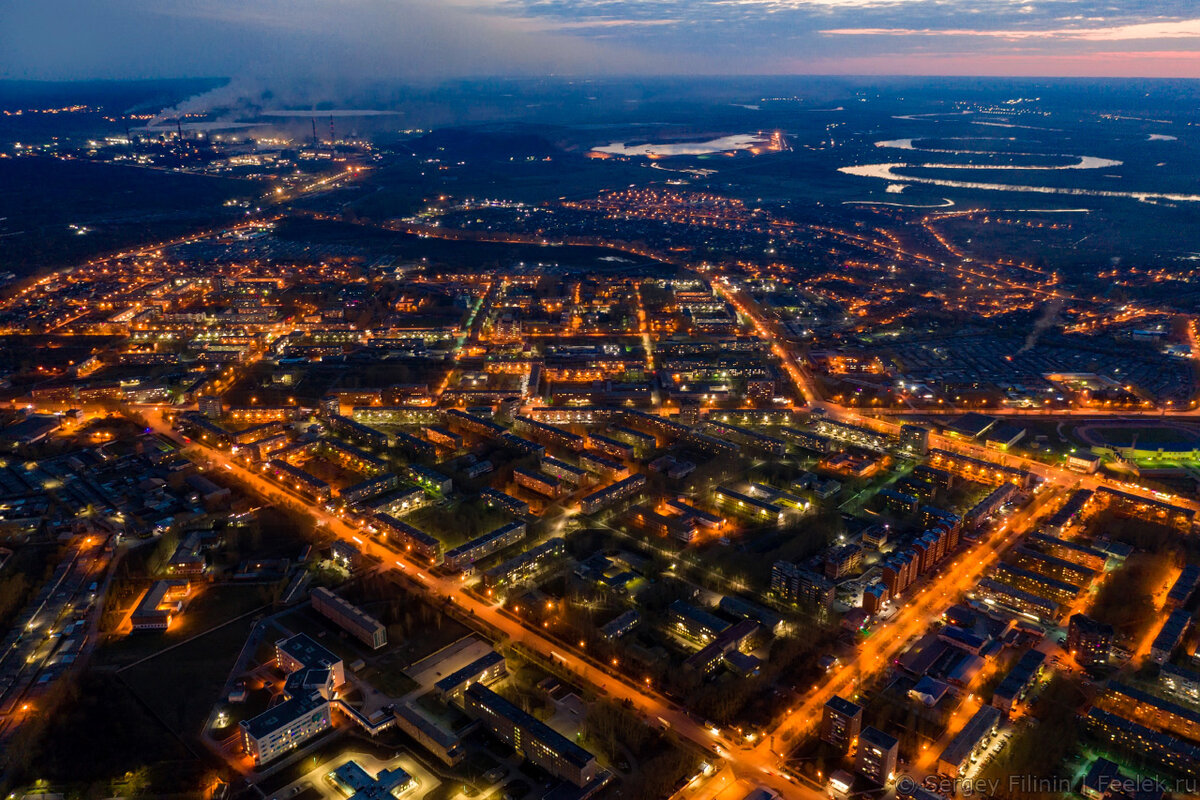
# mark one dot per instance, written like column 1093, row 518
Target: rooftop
column 304, row 649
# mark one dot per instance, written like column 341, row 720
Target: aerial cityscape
column 606, row 422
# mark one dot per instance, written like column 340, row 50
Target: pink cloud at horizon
column 1157, row 30
column 1180, row 64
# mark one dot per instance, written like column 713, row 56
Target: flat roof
column 360, row 618
column 843, row 706
column 148, row 605
column 1169, row 707
column 304, row 648
column 1021, row 673
column 971, row 424
column 356, row 780
column 1159, row 738
column 276, row 717
column 537, row 729
column 459, row 676
column 699, row 616
column 876, row 737
column 972, row 733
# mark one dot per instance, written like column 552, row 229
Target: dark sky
column 406, row 39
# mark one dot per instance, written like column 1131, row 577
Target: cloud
column 1179, row 29
column 1103, row 64
column 368, row 39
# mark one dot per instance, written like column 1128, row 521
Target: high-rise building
column 794, row 584
column 689, row 411
column 842, row 561
column 876, row 756
column 914, row 439
column 1089, row 641
column 211, row 406
column 874, row 596
column 331, row 405
column 841, row 723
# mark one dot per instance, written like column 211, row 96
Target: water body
column 741, row 141
column 1044, row 210
column 934, row 115
column 946, row 203
column 1083, row 162
column 888, row 173
column 1013, row 125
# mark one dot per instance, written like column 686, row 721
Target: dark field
column 119, row 205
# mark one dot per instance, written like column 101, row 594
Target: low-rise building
column 486, row 669
column 483, row 546
column 1181, row 591
column 285, row 727
column 347, row 554
column 748, row 507
column 406, row 537
column 161, row 604
column 313, row 673
column 1170, row 635
column 1053, row 567
column 695, row 623
column 1018, row 680
column 620, row 625
column 621, row 490
column 536, row 741
column 1150, row 710
column 357, row 784
column 995, row 593
column 1180, row 682
column 545, row 485
column 497, row 499
column 733, row 641
column 1053, row 589
column 975, row 734
column 1158, row 748
column 525, row 566
column 349, row 618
